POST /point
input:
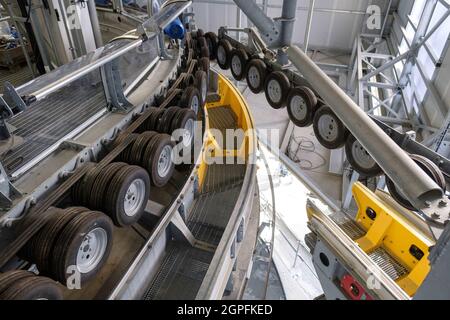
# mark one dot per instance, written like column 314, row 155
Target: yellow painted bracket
column 229, row 96
column 388, row 229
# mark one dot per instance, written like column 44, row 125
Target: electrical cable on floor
column 306, row 145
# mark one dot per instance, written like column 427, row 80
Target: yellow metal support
column 390, row 230
column 229, row 96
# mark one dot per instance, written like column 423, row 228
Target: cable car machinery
column 416, row 175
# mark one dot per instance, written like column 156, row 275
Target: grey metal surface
column 270, row 29
column 46, row 123
column 180, row 274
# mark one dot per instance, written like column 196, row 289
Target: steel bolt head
column 435, row 216
column 442, row 204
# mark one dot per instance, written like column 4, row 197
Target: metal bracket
column 11, row 95
column 112, row 82
column 8, row 193
column 5, row 113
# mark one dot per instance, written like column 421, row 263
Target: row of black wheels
column 306, row 109
column 76, row 242
column 25, row 285
column 303, row 106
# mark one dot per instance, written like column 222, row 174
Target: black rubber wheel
column 276, row 88
column 204, row 64
column 329, row 129
column 164, row 124
column 202, row 42
column 238, row 63
column 154, row 119
column 256, row 75
column 429, row 168
column 213, row 42
column 100, row 186
column 43, row 242
column 301, row 106
column 128, row 194
column 125, row 155
column 224, row 50
column 158, row 160
column 360, row 159
column 139, row 147
column 145, row 126
column 185, row 120
column 189, row 80
column 201, row 83
column 204, row 52
column 82, row 247
column 199, row 33
column 32, row 288
column 191, row 99
column 7, row 279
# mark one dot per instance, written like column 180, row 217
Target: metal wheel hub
column 236, row 65
column 134, row 197
column 362, row 157
column 253, row 77
column 165, row 161
column 299, row 108
column 274, row 91
column 195, row 104
column 91, row 250
column 328, row 128
column 204, row 88
column 188, row 133
column 221, row 55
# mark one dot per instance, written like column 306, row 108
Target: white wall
column 330, row 30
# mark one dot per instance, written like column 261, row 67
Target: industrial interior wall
column 335, row 23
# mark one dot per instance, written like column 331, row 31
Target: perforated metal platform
column 388, row 264
column 181, row 273
column 184, row 267
column 349, row 226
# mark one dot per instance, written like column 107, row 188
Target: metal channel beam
column 269, row 29
column 416, row 185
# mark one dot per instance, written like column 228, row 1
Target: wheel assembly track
column 39, row 215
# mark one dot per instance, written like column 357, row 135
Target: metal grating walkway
column 49, row 120
column 181, row 273
column 184, row 267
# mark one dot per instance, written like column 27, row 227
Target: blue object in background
column 175, row 30
column 102, row 3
